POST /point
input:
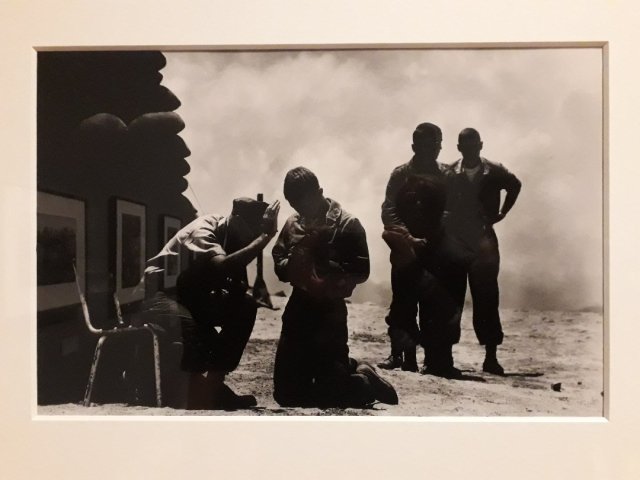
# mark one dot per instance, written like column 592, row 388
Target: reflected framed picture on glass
column 130, row 250
column 60, row 245
column 170, row 226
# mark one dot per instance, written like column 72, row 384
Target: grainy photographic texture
column 246, row 118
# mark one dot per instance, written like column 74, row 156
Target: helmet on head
column 250, row 210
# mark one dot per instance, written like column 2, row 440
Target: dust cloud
column 349, row 115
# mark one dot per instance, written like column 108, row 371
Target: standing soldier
column 401, row 319
column 473, row 207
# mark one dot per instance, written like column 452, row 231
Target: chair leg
column 92, row 373
column 156, row 366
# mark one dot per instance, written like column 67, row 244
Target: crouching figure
column 214, row 290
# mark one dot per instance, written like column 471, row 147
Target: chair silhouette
column 120, row 330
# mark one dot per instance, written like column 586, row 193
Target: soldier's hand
column 270, row 219
column 402, row 252
column 418, row 243
column 398, row 229
column 404, row 232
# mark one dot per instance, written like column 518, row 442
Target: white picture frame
column 441, row 448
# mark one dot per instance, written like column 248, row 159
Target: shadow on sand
column 506, row 374
column 463, row 377
column 523, row 374
column 471, row 378
column 339, row 411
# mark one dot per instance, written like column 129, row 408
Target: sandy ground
column 541, row 349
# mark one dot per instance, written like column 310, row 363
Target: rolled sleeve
column 205, row 236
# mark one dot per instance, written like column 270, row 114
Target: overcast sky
column 349, row 115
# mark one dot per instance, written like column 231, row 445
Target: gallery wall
column 110, row 173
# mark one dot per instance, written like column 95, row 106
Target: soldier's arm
column 349, row 268
column 280, row 253
column 356, row 263
column 389, row 214
column 242, row 257
column 512, row 186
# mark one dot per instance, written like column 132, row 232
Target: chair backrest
column 85, row 307
column 116, row 302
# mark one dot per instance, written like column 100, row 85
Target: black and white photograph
column 412, row 232
column 368, row 239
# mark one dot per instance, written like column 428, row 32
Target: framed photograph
column 130, row 250
column 532, row 306
column 452, row 447
column 170, row 226
column 60, row 245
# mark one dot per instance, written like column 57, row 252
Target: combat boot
column 439, row 362
column 409, row 362
column 490, row 364
column 383, row 391
column 391, row 362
